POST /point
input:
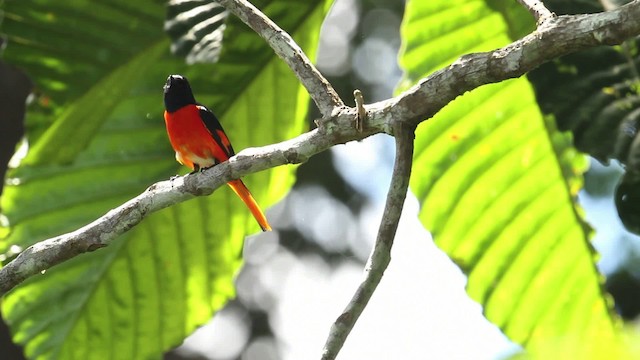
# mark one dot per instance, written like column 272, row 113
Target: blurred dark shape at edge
column 15, row 86
column 624, row 286
column 627, row 199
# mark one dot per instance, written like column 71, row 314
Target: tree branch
column 320, row 90
column 559, row 36
column 381, row 253
column 538, row 10
column 103, row 231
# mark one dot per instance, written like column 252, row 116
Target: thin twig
column 538, row 10
column 608, row 5
column 381, row 253
column 566, row 34
column 361, row 117
column 320, row 90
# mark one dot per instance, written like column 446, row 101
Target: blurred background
column 297, row 279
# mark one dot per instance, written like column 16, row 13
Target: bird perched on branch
column 199, row 139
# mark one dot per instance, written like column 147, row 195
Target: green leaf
column 498, row 189
column 152, row 287
column 83, row 118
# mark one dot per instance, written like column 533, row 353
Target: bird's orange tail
column 241, row 190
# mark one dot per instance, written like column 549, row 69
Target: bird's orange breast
column 191, row 139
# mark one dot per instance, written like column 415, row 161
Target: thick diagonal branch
column 560, row 36
column 556, row 37
column 381, row 253
column 322, row 93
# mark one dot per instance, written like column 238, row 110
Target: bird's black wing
column 216, row 130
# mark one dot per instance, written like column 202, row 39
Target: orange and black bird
column 199, row 139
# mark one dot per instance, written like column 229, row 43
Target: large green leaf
column 148, row 290
column 498, row 189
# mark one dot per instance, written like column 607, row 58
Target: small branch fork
column 538, row 10
column 381, row 254
column 320, row 90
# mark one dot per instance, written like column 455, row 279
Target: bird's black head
column 177, row 93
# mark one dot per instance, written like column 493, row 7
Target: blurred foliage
column 97, row 138
column 196, row 29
